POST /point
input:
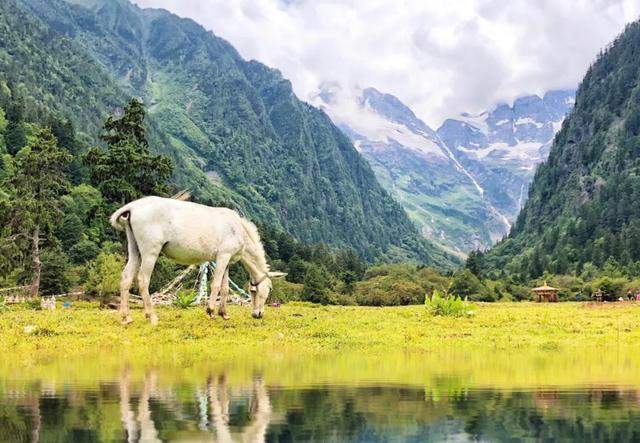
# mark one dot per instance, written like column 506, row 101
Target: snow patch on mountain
column 429, row 178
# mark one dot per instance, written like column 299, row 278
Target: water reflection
column 211, row 403
column 151, row 404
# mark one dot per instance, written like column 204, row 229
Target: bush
column 317, row 285
column 35, row 304
column 103, row 276
column 56, row 272
column 518, row 292
column 84, row 251
column 185, row 298
column 466, row 285
column 285, row 291
column 448, row 306
column 611, row 288
column 398, row 284
column 388, row 291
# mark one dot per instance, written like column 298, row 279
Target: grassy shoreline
column 516, row 345
column 311, row 329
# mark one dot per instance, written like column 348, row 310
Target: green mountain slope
column 234, row 129
column 584, row 203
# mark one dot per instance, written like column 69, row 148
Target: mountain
column 463, row 184
column 583, row 210
column 501, row 148
column 234, row 129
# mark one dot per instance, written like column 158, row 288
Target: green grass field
column 85, row 328
column 503, row 344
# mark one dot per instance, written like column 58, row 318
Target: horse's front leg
column 224, row 295
column 222, row 261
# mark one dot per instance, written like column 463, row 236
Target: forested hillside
column 583, row 210
column 234, row 130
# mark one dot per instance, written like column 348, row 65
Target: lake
column 451, row 396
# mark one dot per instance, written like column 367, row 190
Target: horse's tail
column 120, row 219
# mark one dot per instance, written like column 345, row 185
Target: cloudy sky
column 441, row 58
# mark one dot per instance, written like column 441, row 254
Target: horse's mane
column 254, row 236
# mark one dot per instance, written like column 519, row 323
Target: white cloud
column 440, row 58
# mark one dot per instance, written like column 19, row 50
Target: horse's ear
column 277, row 274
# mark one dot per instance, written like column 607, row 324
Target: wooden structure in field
column 546, row 293
column 18, row 294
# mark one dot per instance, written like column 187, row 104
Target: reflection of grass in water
column 448, row 386
column 503, row 344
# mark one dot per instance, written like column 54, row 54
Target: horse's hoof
column 126, row 320
column 153, row 318
column 224, row 315
column 211, row 313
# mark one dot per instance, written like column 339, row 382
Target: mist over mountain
column 464, row 183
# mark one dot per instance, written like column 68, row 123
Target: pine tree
column 126, row 170
column 474, row 263
column 40, row 179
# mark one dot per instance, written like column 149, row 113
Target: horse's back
column 188, row 231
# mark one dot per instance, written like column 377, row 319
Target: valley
column 464, row 183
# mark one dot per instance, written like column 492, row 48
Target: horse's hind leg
column 222, row 262
column 224, row 294
column 128, row 274
column 149, row 258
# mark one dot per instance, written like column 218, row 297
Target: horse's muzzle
column 257, row 314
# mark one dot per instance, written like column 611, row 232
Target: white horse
column 189, row 233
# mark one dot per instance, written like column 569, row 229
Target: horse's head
column 260, row 292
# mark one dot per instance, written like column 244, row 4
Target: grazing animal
column 189, row 233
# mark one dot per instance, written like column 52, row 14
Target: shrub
column 83, row 251
column 466, row 285
column 185, row 298
column 317, row 285
column 611, row 288
column 56, row 270
column 449, row 306
column 398, row 284
column 35, row 304
column 285, row 291
column 103, row 276
column 388, row 291
column 518, row 292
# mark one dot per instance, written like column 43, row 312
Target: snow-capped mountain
column 413, row 163
column 464, row 183
column 502, row 148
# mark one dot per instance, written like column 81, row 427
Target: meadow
column 185, row 335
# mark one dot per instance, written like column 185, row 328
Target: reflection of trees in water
column 587, row 415
column 145, row 409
